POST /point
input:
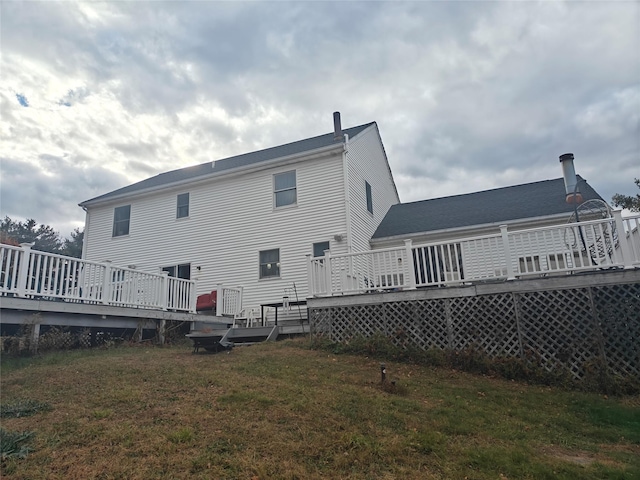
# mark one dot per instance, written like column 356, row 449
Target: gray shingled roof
column 237, row 161
column 487, row 207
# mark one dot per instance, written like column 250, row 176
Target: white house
column 444, row 222
column 249, row 220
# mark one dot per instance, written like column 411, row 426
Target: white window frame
column 182, row 205
column 293, row 188
column 275, row 265
column 119, row 222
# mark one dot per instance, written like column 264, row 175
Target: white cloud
column 468, row 95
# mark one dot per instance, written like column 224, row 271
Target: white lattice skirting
column 565, row 327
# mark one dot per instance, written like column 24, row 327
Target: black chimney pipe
column 337, row 127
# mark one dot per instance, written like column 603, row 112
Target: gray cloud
column 468, row 95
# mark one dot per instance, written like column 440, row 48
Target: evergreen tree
column 628, row 201
column 72, row 247
column 44, row 237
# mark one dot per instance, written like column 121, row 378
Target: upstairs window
column 284, row 189
column 369, row 197
column 183, row 205
column 121, row 217
column 270, row 263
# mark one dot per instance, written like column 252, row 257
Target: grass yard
column 281, row 410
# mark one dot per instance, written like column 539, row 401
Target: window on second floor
column 284, row 189
column 367, row 187
column 183, row 205
column 121, row 218
column 270, row 263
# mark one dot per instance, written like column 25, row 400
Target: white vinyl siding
column 368, row 165
column 233, row 218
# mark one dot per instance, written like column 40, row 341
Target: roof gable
column 230, row 163
column 538, row 199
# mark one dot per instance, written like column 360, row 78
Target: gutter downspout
column 86, row 230
column 347, row 196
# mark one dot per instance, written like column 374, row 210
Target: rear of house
column 249, row 220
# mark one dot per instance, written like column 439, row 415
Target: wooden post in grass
column 161, row 331
column 35, row 337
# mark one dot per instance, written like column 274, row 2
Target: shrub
column 530, row 367
column 12, row 444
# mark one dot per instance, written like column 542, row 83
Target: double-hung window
column 183, row 205
column 270, row 263
column 284, row 189
column 121, row 218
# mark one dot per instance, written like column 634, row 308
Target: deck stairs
column 219, row 333
column 217, row 339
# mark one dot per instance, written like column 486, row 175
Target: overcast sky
column 467, row 95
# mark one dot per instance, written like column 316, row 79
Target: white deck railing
column 559, row 249
column 32, row 274
column 229, row 301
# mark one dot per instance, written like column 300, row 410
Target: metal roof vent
column 570, row 179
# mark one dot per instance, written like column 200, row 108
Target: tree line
column 44, row 237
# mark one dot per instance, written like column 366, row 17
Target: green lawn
column 281, row 410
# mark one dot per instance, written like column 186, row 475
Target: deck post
column 219, row 300
column 23, row 272
column 410, row 270
column 193, row 297
column 622, row 240
column 327, row 272
column 162, row 325
column 164, row 291
column 507, row 252
column 35, row 337
column 310, row 282
column 106, row 283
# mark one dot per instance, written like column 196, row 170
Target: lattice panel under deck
column 320, row 321
column 357, row 320
column 558, row 327
column 563, row 329
column 487, row 322
column 618, row 313
column 430, row 324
